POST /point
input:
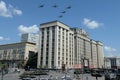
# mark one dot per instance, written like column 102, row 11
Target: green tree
column 20, row 64
column 32, row 61
column 3, row 68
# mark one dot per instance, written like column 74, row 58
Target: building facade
column 113, row 61
column 107, row 63
column 59, row 44
column 56, row 45
column 12, row 54
column 88, row 50
column 30, row 37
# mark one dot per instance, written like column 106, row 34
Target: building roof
column 54, row 23
column 19, row 43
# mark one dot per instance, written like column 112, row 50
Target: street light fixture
column 82, row 62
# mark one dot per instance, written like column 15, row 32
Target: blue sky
column 100, row 18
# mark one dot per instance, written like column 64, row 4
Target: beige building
column 88, row 52
column 112, row 62
column 30, row 37
column 11, row 54
column 59, row 44
column 56, row 45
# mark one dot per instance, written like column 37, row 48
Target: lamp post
column 82, row 62
column 2, row 74
column 63, row 69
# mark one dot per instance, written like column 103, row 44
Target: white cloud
column 111, row 55
column 109, row 49
column 2, row 38
column 8, row 11
column 18, row 12
column 111, row 52
column 92, row 24
column 31, row 29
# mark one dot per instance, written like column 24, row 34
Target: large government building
column 61, row 45
column 13, row 54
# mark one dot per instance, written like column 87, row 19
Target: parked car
column 17, row 70
column 26, row 78
column 44, row 79
column 77, row 71
column 96, row 73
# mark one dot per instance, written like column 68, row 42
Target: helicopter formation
column 56, row 6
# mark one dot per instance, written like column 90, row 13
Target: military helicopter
column 69, row 7
column 60, row 16
column 63, row 12
column 41, row 6
column 55, row 6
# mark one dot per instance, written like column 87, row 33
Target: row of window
column 15, row 57
column 47, row 45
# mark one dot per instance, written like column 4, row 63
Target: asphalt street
column 52, row 74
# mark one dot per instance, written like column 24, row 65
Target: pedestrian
column 86, row 78
column 50, row 77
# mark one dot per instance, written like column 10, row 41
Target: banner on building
column 77, row 66
column 91, row 66
column 86, row 63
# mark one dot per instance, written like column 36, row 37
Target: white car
column 17, row 70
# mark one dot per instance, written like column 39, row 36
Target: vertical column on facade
column 44, row 47
column 77, row 54
column 73, row 52
column 59, row 54
column 60, row 46
column 97, row 56
column 56, row 47
column 84, row 48
column 68, row 46
column 64, row 47
column 94, row 53
column 100, row 55
column 39, row 50
column 50, row 47
column 81, row 50
column 78, row 50
column 84, row 52
column 88, row 51
column 91, row 62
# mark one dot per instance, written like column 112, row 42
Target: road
column 58, row 75
column 53, row 74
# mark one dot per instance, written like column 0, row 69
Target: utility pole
column 82, row 68
column 82, row 62
column 96, row 78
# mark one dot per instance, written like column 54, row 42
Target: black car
column 96, row 74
